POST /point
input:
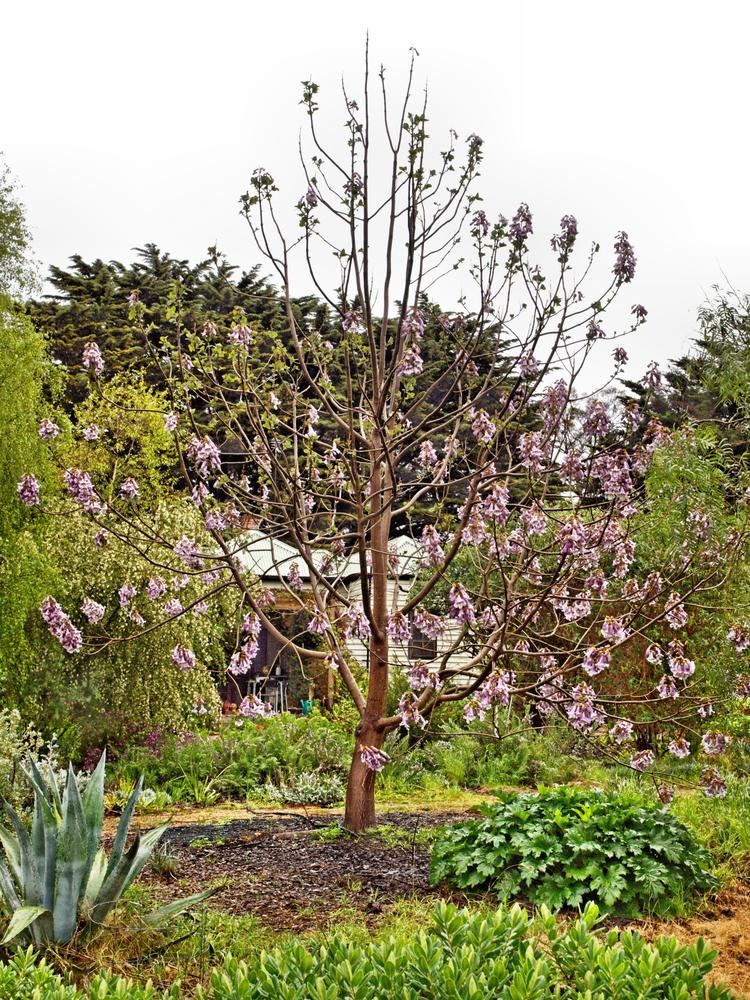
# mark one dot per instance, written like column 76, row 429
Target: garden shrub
column 504, row 955
column 309, row 789
column 565, row 847
column 239, row 761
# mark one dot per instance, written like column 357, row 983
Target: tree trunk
column 359, row 811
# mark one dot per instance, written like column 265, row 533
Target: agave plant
column 57, row 881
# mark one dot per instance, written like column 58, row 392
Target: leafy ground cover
column 564, row 847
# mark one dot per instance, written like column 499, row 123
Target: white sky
column 141, row 122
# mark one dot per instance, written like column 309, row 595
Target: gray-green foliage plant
column 56, row 880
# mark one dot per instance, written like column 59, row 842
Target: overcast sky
column 139, row 122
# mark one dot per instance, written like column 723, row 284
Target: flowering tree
column 342, row 431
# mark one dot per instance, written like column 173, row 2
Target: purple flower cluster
column 373, row 758
column 92, row 610
column 318, row 624
column 187, row 552
column 621, row 731
column 409, row 713
column 715, row 743
column 183, row 657
column 356, row 623
column 679, row 747
column 595, row 660
column 642, row 760
column 126, row 593
column 581, row 710
column 28, row 490
column 563, row 242
column 129, row 489
column 595, row 419
column 482, row 426
column 433, row 552
column 60, row 626
column 82, row 490
column 253, row 708
column 521, row 226
column 243, row 658
column 92, row 358
column 204, row 454
column 156, row 588
column 739, row 637
column 48, row 429
column 714, row 786
column 460, row 606
column 624, row 268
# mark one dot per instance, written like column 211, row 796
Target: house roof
column 271, row 558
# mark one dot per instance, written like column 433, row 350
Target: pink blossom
column 173, row 607
column 399, row 627
column 170, row 421
column 91, row 432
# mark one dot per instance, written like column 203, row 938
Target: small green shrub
column 504, row 955
column 239, row 761
column 475, row 957
column 308, row 789
column 565, row 847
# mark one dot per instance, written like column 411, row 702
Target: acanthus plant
column 465, row 429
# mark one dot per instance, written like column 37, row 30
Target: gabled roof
column 271, row 558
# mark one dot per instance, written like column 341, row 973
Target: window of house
column 421, row 646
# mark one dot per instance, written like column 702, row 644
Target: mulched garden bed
column 277, row 869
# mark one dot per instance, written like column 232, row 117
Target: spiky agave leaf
column 72, row 859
